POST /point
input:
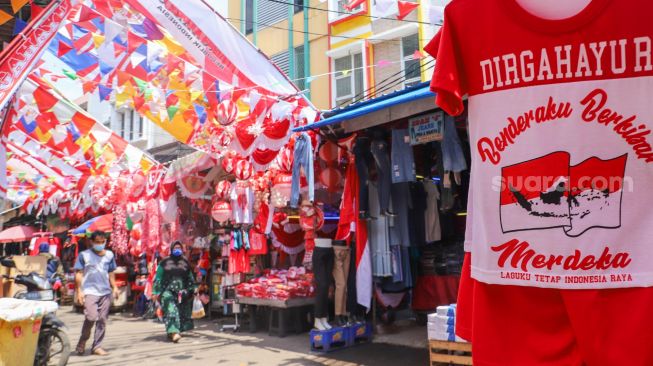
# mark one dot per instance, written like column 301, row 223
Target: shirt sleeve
column 112, row 264
column 79, row 263
column 448, row 80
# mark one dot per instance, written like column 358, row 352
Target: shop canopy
column 17, row 234
column 177, row 63
column 419, row 92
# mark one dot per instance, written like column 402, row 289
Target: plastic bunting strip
column 122, row 54
column 54, row 146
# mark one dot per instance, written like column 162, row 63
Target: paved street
column 133, row 341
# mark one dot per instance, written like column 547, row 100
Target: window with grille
column 299, row 6
column 282, row 60
column 411, row 66
column 270, row 12
column 348, row 79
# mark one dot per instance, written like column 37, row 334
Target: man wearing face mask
column 174, row 285
column 96, row 284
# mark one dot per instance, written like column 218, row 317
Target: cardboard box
column 24, row 265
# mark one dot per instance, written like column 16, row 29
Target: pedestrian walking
column 95, row 283
column 174, row 286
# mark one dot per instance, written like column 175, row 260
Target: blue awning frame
column 419, row 91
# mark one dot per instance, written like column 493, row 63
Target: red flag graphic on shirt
column 547, row 192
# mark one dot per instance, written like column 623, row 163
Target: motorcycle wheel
column 53, row 348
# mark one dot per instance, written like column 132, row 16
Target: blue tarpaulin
column 419, row 91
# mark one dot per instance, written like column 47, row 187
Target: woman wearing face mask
column 174, row 285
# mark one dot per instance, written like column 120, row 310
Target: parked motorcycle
column 53, row 344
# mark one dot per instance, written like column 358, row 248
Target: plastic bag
column 198, row 309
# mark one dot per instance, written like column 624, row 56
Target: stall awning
column 417, row 92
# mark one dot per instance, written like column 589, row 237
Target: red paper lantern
column 328, row 152
column 227, row 112
column 222, row 189
column 243, row 170
column 225, row 138
column 228, row 164
column 330, row 178
column 221, row 211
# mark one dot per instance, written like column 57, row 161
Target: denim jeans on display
column 302, row 158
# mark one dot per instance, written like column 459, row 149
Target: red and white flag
column 547, row 192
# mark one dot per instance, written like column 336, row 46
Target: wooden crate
column 444, row 352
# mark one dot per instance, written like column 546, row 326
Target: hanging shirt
column 432, row 215
column 242, row 203
column 560, row 120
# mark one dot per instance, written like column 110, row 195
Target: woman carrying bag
column 175, row 287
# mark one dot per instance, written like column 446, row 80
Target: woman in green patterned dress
column 175, row 286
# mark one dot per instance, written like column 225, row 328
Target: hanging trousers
column 381, row 154
column 302, row 157
column 323, row 270
column 340, row 275
column 363, row 157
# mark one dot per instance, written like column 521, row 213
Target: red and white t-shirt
column 561, row 120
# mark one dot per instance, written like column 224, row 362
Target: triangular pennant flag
column 70, row 74
column 17, row 5
column 111, row 30
column 98, row 39
column 136, row 58
column 4, row 18
column 104, row 92
column 405, row 8
column 123, row 77
column 172, row 110
column 142, row 84
column 353, row 4
column 118, row 49
column 172, row 100
column 83, row 43
column 19, row 25
column 418, row 55
column 64, row 48
column 383, row 63
column 345, row 72
column 105, row 68
column 201, row 113
column 133, row 42
column 138, row 102
column 89, row 86
column 36, row 10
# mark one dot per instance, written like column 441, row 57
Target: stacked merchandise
column 441, row 324
column 295, row 282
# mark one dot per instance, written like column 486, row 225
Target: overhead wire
column 385, row 84
column 319, row 34
column 353, row 14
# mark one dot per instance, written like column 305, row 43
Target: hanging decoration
column 227, row 112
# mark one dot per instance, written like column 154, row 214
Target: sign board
column 426, row 128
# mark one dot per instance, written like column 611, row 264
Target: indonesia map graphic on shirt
column 547, row 193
